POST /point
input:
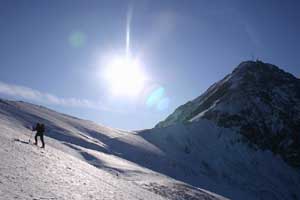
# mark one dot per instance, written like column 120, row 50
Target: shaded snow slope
column 82, row 160
column 217, row 159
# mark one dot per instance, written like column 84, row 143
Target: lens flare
column 128, row 23
column 155, row 97
column 158, row 99
column 77, row 39
column 163, row 104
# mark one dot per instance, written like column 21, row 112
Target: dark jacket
column 40, row 129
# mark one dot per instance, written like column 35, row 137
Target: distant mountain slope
column 258, row 100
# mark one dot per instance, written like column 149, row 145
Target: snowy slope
column 217, row 159
column 82, row 160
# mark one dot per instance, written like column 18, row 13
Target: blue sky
column 51, row 52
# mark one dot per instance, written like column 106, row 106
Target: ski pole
column 31, row 135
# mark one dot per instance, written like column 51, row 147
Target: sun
column 125, row 76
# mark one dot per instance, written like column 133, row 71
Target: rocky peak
column 259, row 101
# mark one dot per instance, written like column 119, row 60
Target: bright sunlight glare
column 125, row 76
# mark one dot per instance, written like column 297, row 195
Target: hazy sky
column 52, row 52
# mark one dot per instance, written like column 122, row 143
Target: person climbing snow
column 40, row 129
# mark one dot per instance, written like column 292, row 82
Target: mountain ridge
column 82, row 160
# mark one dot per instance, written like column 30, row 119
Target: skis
column 25, row 142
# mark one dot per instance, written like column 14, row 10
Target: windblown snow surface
column 83, row 160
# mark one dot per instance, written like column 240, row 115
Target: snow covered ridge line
column 82, row 160
column 259, row 101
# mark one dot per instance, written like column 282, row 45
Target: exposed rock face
column 259, row 101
